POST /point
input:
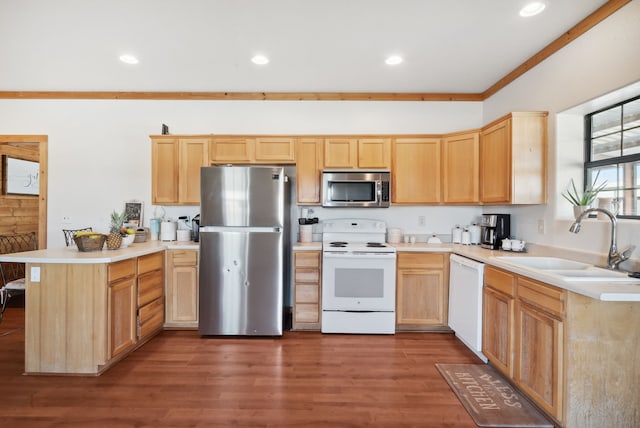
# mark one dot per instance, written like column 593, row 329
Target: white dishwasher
column 465, row 301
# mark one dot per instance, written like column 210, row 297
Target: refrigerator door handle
column 240, row 229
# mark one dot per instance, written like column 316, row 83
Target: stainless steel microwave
column 356, row 188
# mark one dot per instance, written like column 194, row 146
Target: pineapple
column 114, row 239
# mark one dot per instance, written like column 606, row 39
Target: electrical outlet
column 421, row 221
column 66, row 220
column 541, row 226
column 35, row 274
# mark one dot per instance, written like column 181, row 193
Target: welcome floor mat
column 489, row 398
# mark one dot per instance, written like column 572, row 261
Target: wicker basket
column 90, row 242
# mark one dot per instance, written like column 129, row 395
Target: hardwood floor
column 304, row 379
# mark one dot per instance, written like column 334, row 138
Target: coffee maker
column 494, row 228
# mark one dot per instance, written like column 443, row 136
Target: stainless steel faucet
column 615, row 258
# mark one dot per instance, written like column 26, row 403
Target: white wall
column 100, row 152
column 567, row 85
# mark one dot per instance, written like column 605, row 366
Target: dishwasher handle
column 466, row 262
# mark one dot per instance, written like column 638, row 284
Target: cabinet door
column 422, row 290
column 122, row 316
column 539, row 354
column 231, row 150
column 274, row 150
column 340, row 153
column 164, row 171
column 420, row 297
column 460, row 168
column 194, row 154
column 374, row 153
column 151, row 318
column 309, row 161
column 182, row 289
column 495, row 163
column 416, row 171
column 497, row 329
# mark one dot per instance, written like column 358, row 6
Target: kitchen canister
column 456, row 235
column 183, row 235
column 474, row 230
column 465, row 238
column 155, row 229
column 394, row 235
column 168, row 230
column 306, row 232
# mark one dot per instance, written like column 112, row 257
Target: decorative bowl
column 90, row 241
column 127, row 240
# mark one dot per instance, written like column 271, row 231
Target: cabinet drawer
column 545, row 297
column 307, row 259
column 420, row 260
column 150, row 262
column 151, row 317
column 183, row 257
column 150, row 286
column 306, row 312
column 307, row 293
column 307, row 275
column 122, row 269
column 499, row 280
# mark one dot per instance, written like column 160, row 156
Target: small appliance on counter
column 168, row 230
column 155, row 229
column 494, row 228
column 195, row 228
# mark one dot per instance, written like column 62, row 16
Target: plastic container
column 306, row 233
column 394, row 236
column 456, row 235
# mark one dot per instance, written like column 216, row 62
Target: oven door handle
column 359, row 255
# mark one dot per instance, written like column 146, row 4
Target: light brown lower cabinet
column 122, row 296
column 82, row 318
column 422, row 291
column 182, row 289
column 570, row 354
column 307, row 289
column 150, row 295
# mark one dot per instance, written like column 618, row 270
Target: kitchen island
column 87, row 310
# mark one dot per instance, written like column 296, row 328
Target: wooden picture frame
column 20, row 176
column 133, row 209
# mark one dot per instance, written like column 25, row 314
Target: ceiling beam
column 576, row 31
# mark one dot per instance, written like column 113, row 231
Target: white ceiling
column 449, row 46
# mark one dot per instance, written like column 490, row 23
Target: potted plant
column 583, row 201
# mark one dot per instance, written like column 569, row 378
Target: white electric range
column 358, row 278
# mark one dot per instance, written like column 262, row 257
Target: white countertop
column 606, row 291
column 73, row 256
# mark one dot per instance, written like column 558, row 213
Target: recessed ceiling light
column 128, row 59
column 393, row 60
column 260, row 60
column 532, row 9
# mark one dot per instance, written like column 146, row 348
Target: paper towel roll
column 168, row 230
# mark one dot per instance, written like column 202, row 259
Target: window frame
column 613, row 161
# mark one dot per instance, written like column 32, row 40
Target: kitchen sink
column 593, row 274
column 568, row 270
column 545, row 263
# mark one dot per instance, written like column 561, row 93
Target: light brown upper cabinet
column 361, row 153
column 276, row 150
column 513, row 167
column 231, row 150
column 415, row 173
column 460, row 167
column 175, row 169
column 252, row 149
column 309, row 161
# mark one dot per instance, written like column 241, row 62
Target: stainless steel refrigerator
column 243, row 233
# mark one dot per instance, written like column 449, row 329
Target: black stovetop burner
column 338, row 244
column 376, row 245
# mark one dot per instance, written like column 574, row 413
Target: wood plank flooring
column 304, row 379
